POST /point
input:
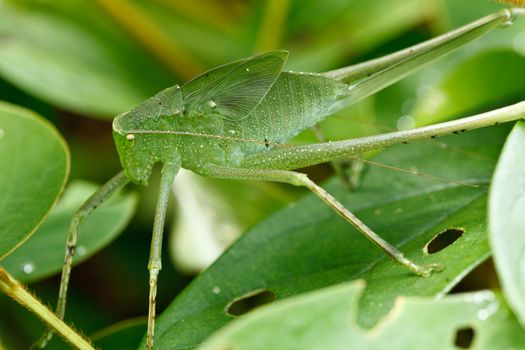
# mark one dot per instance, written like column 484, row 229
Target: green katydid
column 232, row 121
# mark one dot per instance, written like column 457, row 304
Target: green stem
column 15, row 290
column 271, row 29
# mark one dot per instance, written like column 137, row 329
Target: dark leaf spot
column 249, row 301
column 443, row 240
column 464, row 337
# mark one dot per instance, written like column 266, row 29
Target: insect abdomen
column 294, row 103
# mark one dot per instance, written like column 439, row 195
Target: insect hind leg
column 299, row 179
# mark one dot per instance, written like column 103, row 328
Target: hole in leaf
column 249, row 302
column 443, row 240
column 464, row 337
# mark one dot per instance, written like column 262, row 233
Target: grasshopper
column 233, row 122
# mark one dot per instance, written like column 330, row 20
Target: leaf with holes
column 507, row 222
column 326, row 319
column 307, row 246
column 35, row 165
column 43, row 254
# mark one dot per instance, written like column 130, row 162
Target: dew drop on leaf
column 405, row 123
column 81, row 250
column 28, row 268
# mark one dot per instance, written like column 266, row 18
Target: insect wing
column 233, row 96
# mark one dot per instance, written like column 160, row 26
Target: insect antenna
column 418, row 173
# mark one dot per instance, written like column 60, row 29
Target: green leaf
column 67, row 54
column 43, row 254
column 308, row 246
column 35, row 166
column 507, row 222
column 326, row 319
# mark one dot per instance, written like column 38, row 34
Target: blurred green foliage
column 81, row 62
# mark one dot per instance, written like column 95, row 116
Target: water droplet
column 212, row 103
column 130, row 137
column 406, row 122
column 482, row 297
column 81, row 250
column 231, row 132
column 2, row 133
column 247, row 69
column 483, row 314
column 28, row 268
column 216, row 290
column 433, row 99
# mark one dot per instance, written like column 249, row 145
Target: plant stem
column 149, row 34
column 16, row 290
column 271, row 30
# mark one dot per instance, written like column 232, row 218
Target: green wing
column 233, row 91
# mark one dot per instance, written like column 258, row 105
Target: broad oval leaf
column 35, row 166
column 507, row 221
column 308, row 246
column 326, row 319
column 43, row 254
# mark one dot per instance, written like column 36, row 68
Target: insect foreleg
column 299, row 179
column 155, row 262
column 100, row 196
